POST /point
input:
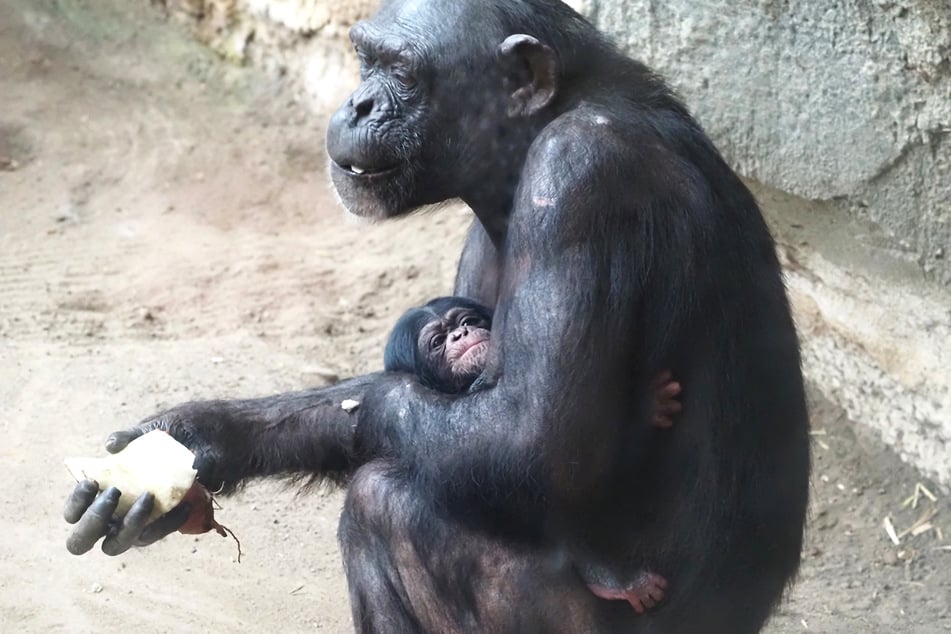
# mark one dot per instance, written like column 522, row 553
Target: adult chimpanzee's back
column 613, row 243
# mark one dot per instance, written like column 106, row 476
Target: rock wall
column 305, row 40
column 848, row 101
column 845, row 105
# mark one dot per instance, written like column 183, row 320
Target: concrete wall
column 847, row 101
column 842, row 110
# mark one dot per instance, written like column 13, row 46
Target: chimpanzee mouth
column 475, row 349
column 367, row 172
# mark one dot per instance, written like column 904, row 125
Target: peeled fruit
column 154, row 462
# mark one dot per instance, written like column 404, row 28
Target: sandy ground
column 167, row 233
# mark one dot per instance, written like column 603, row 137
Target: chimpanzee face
column 454, row 346
column 413, row 131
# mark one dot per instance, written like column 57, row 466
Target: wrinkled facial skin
column 455, row 348
column 397, row 143
column 369, row 139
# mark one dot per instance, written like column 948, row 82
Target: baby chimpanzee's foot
column 646, row 591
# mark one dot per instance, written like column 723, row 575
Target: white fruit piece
column 154, row 462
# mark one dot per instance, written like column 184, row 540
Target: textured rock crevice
column 874, row 340
column 848, row 102
column 305, row 40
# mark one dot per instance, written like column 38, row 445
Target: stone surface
column 876, row 337
column 847, row 101
column 302, row 39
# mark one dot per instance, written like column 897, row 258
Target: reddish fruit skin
column 201, row 519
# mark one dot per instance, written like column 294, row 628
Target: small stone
column 890, row 558
column 96, row 588
column 349, row 405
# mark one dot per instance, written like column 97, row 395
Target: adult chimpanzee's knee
column 375, row 537
column 411, row 568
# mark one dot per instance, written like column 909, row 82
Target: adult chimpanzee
column 613, row 242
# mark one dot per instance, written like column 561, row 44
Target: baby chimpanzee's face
column 455, row 346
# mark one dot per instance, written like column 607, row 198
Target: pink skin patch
column 646, row 592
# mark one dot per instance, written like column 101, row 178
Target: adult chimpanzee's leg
column 411, row 569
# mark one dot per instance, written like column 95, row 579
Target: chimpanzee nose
column 363, row 107
column 459, row 333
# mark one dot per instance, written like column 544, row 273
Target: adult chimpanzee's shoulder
column 585, row 132
column 609, row 152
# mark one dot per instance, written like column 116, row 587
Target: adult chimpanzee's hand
column 202, row 427
column 93, row 512
column 307, row 432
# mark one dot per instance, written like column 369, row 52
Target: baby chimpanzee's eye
column 437, row 341
column 469, row 320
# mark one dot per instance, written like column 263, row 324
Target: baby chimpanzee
column 444, row 343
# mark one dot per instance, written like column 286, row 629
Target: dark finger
column 661, row 378
column 670, row 390
column 118, row 440
column 670, row 407
column 79, row 500
column 132, row 524
column 94, row 523
column 165, row 525
column 662, row 421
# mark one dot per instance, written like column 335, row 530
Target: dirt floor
column 167, row 233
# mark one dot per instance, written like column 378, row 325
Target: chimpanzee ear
column 532, row 67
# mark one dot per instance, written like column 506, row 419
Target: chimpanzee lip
column 366, row 172
column 472, row 347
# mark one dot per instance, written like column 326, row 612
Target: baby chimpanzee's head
column 443, row 342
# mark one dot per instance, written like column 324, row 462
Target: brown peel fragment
column 201, row 518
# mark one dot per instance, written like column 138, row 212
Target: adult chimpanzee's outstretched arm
column 298, row 432
column 305, row 433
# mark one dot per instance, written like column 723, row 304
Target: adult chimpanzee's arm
column 557, row 391
column 306, row 432
column 302, row 433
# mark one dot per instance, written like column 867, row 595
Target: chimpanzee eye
column 469, row 320
column 437, row 341
column 366, row 60
column 403, row 76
